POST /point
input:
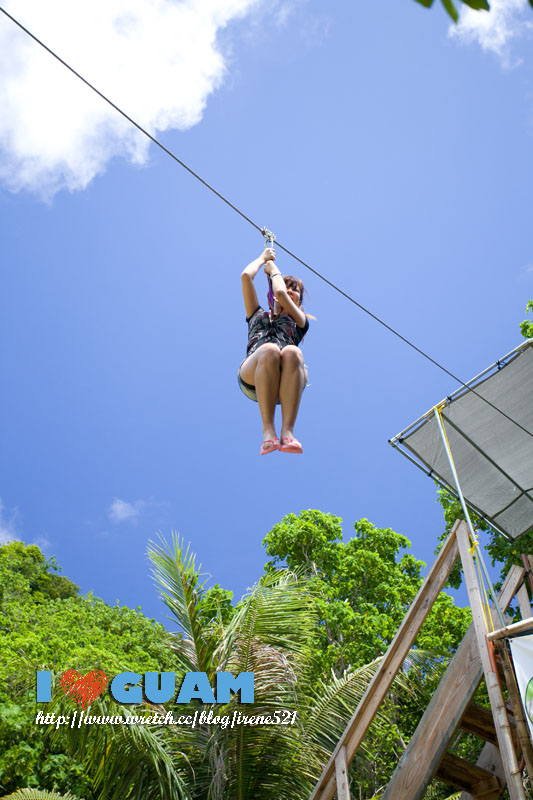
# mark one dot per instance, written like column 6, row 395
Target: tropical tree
column 24, row 571
column 45, row 625
column 362, row 588
column 311, row 632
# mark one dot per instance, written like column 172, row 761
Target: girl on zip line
column 273, row 371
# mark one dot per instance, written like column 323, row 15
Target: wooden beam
column 479, row 782
column 511, row 630
column 490, row 760
column 479, row 721
column 390, row 665
column 445, row 711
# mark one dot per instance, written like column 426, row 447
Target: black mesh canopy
column 493, row 455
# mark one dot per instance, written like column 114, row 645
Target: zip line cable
column 257, row 227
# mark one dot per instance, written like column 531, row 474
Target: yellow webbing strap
column 475, row 541
column 485, row 597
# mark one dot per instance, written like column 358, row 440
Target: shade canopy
column 492, row 451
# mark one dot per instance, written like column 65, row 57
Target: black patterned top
column 282, row 330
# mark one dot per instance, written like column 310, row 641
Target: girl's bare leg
column 262, row 370
column 293, row 380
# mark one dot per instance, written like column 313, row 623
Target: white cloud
column 158, row 60
column 7, row 525
column 121, row 511
column 495, row 31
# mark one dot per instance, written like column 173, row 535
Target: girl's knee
column 292, row 355
column 269, row 353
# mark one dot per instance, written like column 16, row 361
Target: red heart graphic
column 83, row 688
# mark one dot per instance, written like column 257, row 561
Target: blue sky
column 387, row 150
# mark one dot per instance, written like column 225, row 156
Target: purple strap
column 270, row 295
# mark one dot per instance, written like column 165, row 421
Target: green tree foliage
column 268, row 633
column 44, row 624
column 363, row 588
column 312, row 633
column 451, row 8
column 25, row 571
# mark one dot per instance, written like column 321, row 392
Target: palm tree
column 268, row 635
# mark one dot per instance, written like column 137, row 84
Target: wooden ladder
column 451, row 707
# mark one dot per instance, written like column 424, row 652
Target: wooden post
column 516, row 705
column 523, row 602
column 512, row 770
column 442, row 717
column 390, row 666
column 526, row 560
column 341, row 773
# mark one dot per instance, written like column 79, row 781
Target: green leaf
column 478, row 5
column 427, row 3
column 451, row 9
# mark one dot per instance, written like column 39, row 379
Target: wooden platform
column 452, row 706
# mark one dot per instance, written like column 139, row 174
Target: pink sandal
column 290, row 446
column 268, row 446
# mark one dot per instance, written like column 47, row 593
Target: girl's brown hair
column 295, row 283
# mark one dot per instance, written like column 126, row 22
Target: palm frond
column 268, row 635
column 331, row 703
column 123, row 759
column 278, row 612
column 178, row 579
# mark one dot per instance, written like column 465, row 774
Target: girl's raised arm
column 247, row 277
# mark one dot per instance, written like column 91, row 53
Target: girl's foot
column 290, row 445
column 268, row 446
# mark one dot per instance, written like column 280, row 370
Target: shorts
column 249, row 390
